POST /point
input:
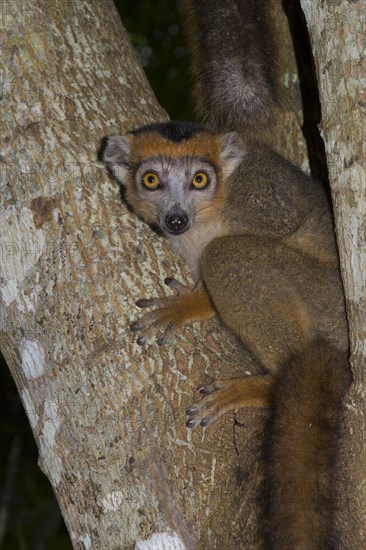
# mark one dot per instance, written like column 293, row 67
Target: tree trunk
column 108, row 416
column 338, row 31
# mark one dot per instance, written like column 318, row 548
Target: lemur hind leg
column 173, row 312
column 261, row 290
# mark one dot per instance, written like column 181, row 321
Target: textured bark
column 338, row 31
column 107, row 415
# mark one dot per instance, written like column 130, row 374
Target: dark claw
column 161, row 340
column 192, row 410
column 135, row 326
column 190, row 423
column 143, row 302
column 167, row 334
column 205, row 390
column 141, row 340
column 204, row 422
column 173, row 283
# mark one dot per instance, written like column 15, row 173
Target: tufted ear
column 116, row 155
column 232, row 152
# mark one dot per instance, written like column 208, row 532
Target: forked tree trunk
column 107, row 415
column 338, row 36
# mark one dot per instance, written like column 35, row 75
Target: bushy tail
column 306, row 417
column 233, row 62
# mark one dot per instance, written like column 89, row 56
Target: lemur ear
column 232, row 152
column 116, row 154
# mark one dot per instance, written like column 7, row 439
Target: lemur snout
column 176, row 222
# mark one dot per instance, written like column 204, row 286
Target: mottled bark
column 107, row 415
column 338, row 36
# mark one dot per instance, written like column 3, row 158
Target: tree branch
column 337, row 31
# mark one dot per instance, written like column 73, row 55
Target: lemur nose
column 176, row 222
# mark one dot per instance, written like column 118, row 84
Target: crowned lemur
column 257, row 234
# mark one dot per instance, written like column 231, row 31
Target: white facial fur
column 175, row 190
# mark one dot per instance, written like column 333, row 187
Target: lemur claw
column 141, row 340
column 179, row 287
column 143, row 303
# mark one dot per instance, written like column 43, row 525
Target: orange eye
column 150, row 180
column 200, row 180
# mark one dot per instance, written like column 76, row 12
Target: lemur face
column 174, row 172
column 177, row 189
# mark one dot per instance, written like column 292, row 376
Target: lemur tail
column 306, row 417
column 233, row 62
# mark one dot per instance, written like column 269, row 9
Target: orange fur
column 151, row 144
column 187, row 307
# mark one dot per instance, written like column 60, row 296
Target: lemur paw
column 171, row 314
column 228, row 395
column 210, row 408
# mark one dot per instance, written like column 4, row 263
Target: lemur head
column 174, row 171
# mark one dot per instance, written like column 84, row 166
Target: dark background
column 29, row 514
